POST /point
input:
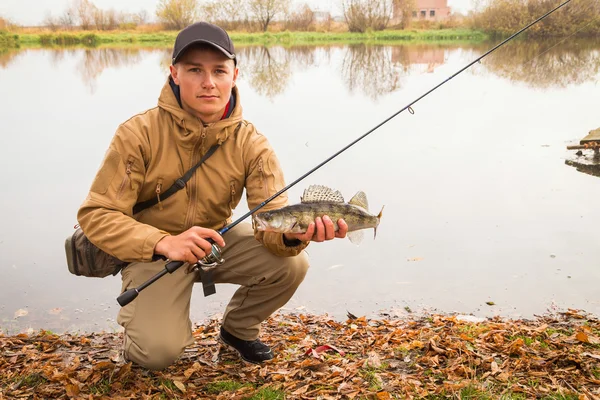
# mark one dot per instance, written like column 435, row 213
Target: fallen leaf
column 21, row 312
column 415, row 259
column 490, row 303
column 180, row 386
column 55, row 311
column 373, row 360
column 72, row 390
column 582, row 337
column 495, row 367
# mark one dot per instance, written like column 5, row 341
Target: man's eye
column 221, row 71
column 194, row 69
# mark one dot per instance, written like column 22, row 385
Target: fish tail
column 378, row 219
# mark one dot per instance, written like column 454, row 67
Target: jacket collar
column 191, row 126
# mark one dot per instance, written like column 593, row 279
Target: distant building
column 430, row 10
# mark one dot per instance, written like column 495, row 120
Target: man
column 199, row 107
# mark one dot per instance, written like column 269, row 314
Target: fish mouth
column 260, row 224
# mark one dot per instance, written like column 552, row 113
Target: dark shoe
column 253, row 351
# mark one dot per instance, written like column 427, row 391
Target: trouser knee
column 153, row 356
column 295, row 268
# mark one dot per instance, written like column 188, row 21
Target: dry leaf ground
column 426, row 357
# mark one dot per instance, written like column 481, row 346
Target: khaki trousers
column 157, row 324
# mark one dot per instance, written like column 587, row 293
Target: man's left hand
column 320, row 230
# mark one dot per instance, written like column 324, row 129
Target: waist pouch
column 86, row 259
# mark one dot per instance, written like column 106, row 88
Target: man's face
column 205, row 77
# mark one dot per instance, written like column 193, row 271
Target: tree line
column 501, row 17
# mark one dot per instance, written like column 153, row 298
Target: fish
column 317, row 201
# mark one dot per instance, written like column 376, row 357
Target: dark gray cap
column 203, row 32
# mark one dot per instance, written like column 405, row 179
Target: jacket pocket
column 126, row 179
column 263, row 177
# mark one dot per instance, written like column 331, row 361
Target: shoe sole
column 229, row 345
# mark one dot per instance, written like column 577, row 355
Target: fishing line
column 214, row 258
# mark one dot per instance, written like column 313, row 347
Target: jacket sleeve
column 264, row 178
column 106, row 214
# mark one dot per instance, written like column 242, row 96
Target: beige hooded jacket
column 153, row 149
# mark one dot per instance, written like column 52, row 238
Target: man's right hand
column 189, row 246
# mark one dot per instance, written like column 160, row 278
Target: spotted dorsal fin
column 320, row 194
column 360, row 199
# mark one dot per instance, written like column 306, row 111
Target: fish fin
column 360, row 199
column 355, row 236
column 378, row 219
column 320, row 193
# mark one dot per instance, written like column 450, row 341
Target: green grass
column 267, row 394
column 266, row 38
column 8, row 39
column 101, row 388
column 224, row 386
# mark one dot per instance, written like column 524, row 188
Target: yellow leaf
column 72, row 390
column 179, row 385
column 582, row 337
column 383, row 395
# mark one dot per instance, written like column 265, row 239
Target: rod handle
column 127, row 297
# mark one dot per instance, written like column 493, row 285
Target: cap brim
column 216, row 46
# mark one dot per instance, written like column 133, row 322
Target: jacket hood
column 192, row 128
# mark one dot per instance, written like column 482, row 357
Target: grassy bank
column 554, row 357
column 286, row 38
column 8, row 40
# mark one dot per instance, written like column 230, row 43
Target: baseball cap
column 203, row 32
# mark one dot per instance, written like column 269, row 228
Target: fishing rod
column 213, row 259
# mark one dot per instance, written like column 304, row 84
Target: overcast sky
column 32, row 12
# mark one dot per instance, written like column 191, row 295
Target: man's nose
column 207, row 81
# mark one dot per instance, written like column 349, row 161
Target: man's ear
column 174, row 73
column 235, row 75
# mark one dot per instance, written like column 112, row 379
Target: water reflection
column 544, row 64
column 7, row 56
column 267, row 69
column 587, row 165
column 372, row 70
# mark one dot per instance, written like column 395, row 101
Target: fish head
column 274, row 221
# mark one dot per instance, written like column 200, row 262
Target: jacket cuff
column 150, row 244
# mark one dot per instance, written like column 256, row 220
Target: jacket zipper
column 261, row 171
column 232, row 192
column 189, row 220
column 125, row 178
column 158, row 190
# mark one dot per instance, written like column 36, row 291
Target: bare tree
column 230, row 14
column 84, row 9
column 302, row 19
column 404, row 9
column 264, row 11
column 68, row 18
column 141, row 18
column 177, row 14
column 363, row 14
column 51, row 22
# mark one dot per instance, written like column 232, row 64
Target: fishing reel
column 209, row 261
column 205, row 266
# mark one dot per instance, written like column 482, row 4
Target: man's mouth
column 207, row 97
